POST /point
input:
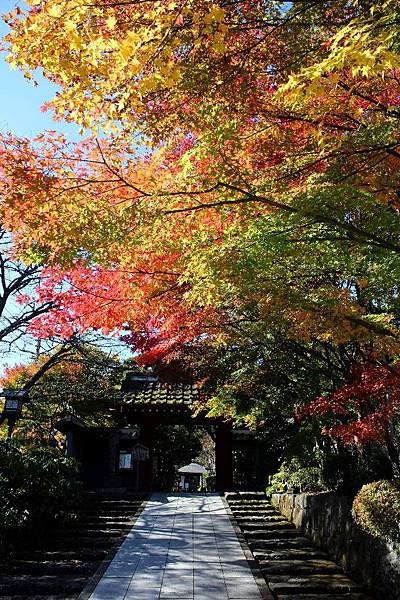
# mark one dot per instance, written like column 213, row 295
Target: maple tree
column 19, row 305
column 249, row 175
column 76, row 377
column 363, row 409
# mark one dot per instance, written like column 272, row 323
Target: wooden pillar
column 223, row 457
column 146, row 467
column 113, row 456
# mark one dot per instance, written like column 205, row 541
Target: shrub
column 38, row 487
column 293, row 476
column 376, row 509
column 211, row 483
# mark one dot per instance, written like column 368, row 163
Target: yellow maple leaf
column 125, row 51
column 216, row 14
column 111, row 22
column 219, row 47
column 55, row 11
column 133, row 37
column 135, row 67
column 69, row 25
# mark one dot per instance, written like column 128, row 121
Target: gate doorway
column 127, row 456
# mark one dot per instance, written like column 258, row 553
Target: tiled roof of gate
column 156, row 393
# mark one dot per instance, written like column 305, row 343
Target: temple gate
column 122, row 457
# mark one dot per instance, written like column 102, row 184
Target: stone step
column 254, row 511
column 84, row 554
column 243, row 500
column 301, row 543
column 79, row 542
column 314, row 584
column 245, row 496
column 266, row 525
column 230, row 496
column 289, row 554
column 105, row 508
column 248, row 506
column 251, row 504
column 108, row 514
column 98, row 525
column 298, row 567
column 324, row 597
column 102, row 530
column 61, row 596
column 101, row 505
column 130, row 508
column 259, row 518
column 30, row 585
column 293, row 568
column 115, row 500
column 58, row 566
column 47, row 567
column 99, row 519
column 273, row 533
column 255, row 514
column 265, row 517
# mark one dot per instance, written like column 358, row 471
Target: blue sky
column 20, row 113
column 20, row 101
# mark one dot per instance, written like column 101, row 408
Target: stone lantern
column 12, row 408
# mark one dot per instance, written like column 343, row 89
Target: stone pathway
column 181, row 547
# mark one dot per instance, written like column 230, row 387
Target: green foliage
column 294, row 477
column 175, row 446
column 38, row 487
column 346, row 470
column 85, row 382
column 376, row 509
column 314, row 462
column 211, row 482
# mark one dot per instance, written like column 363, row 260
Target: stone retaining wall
column 326, row 519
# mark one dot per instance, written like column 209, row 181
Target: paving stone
column 177, row 586
column 121, row 568
column 136, row 593
column 176, row 552
column 152, row 562
column 214, row 588
column 111, row 588
column 179, row 564
column 243, row 590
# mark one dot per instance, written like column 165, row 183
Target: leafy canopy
column 249, row 175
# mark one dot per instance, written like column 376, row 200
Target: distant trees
column 19, row 304
column 75, row 378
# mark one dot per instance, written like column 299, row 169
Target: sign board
column 125, row 460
